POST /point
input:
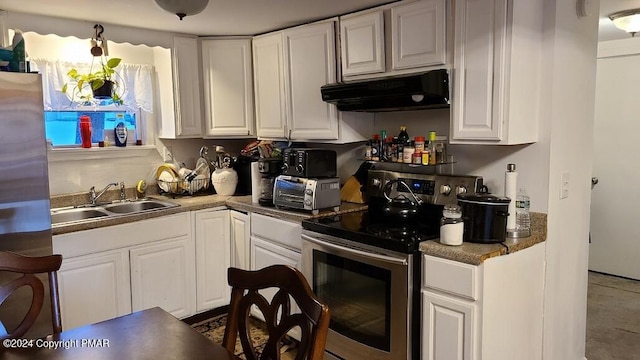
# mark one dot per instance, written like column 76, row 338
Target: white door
column 447, row 325
column 268, row 82
column 228, row 87
column 163, row 274
column 240, row 233
column 94, row 288
column 213, row 258
column 615, row 236
column 310, row 62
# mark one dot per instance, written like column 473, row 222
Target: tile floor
column 613, row 318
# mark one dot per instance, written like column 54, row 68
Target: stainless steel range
column 366, row 265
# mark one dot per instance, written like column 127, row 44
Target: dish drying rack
column 184, row 186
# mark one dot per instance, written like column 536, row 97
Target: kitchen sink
column 137, row 206
column 84, row 213
column 72, row 215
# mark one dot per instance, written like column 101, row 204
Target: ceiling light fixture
column 627, row 20
column 183, row 8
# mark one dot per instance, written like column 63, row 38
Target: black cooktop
column 367, row 228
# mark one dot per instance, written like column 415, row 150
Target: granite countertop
column 470, row 253
column 189, row 203
column 475, row 254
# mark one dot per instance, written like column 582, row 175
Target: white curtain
column 137, row 81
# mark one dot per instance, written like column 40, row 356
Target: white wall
column 569, row 90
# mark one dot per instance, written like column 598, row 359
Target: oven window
column 358, row 296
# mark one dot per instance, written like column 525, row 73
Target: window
column 62, row 128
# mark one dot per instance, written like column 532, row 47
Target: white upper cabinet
column 268, row 74
column 398, row 38
column 496, row 76
column 310, row 57
column 418, row 34
column 186, row 87
column 290, row 66
column 362, row 43
column 228, row 87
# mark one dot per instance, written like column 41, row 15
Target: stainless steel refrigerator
column 25, row 218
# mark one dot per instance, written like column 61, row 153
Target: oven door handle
column 385, row 258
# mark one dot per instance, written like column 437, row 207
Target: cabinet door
column 447, row 327
column 186, row 78
column 265, row 253
column 213, row 257
column 163, row 274
column 418, row 33
column 310, row 62
column 268, row 75
column 94, row 288
column 228, row 87
column 240, row 238
column 362, row 43
column 477, row 73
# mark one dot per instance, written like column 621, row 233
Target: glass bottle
column 403, row 138
column 451, row 225
column 432, row 147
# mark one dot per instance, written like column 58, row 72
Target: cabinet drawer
column 283, row 232
column 450, row 276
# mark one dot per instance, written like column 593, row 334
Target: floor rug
column 214, row 330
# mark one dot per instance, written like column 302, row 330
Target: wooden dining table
column 152, row 334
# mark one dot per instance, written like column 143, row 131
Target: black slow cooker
column 485, row 217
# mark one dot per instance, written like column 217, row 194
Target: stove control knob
column 285, row 167
column 445, row 189
column 461, row 190
column 376, row 183
column 308, row 192
column 307, row 202
column 299, row 169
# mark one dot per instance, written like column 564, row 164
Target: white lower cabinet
column 213, row 257
column 273, row 242
column 491, row 311
column 111, row 271
column 240, row 238
column 162, row 274
column 447, row 331
column 94, row 288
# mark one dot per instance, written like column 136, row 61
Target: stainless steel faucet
column 92, row 192
column 123, row 195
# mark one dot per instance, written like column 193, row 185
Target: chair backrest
column 313, row 320
column 29, row 267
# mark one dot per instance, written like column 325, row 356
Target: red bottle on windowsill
column 85, row 131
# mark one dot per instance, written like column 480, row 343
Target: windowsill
column 97, row 153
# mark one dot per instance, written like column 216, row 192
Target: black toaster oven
column 310, row 163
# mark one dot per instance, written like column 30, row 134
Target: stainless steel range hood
column 427, row 90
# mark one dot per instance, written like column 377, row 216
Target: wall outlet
column 564, row 185
column 167, row 154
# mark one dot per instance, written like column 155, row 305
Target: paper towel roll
column 510, row 186
column 255, row 182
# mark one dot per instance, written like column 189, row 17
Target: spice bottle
column 451, row 225
column 407, row 154
column 419, row 143
column 375, row 147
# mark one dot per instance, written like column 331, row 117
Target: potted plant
column 102, row 83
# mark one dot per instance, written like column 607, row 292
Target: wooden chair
column 29, row 266
column 313, row 319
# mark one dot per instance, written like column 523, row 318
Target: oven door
column 368, row 294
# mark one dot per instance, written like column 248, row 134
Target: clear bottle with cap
column 523, row 216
